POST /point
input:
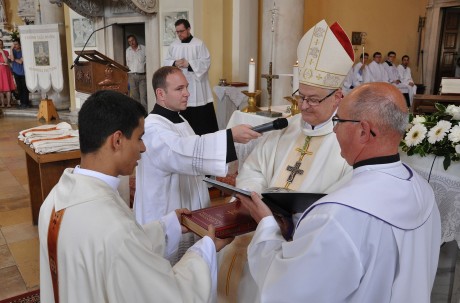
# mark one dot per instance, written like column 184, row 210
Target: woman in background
column 6, row 78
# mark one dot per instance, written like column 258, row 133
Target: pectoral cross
column 270, row 78
column 294, row 171
column 296, row 168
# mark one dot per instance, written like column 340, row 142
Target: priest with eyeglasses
column 375, row 239
column 303, row 157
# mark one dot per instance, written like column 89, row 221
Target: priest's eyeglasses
column 336, row 120
column 311, row 101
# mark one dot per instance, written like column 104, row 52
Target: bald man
column 376, row 239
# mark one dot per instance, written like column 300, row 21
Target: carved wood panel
column 95, row 8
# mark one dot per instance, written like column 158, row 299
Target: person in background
column 374, row 71
column 135, row 60
column 102, row 254
column 390, row 68
column 191, row 55
column 406, row 77
column 170, row 174
column 363, row 242
column 355, row 75
column 6, row 78
column 19, row 74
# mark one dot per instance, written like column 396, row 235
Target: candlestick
column 252, row 107
column 295, row 78
column 252, row 76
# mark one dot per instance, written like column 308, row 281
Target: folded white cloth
column 51, row 138
column 59, row 144
column 43, row 129
column 32, row 136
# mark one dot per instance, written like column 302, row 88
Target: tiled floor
column 19, row 264
column 19, row 252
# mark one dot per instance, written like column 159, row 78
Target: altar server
column 170, row 174
column 305, row 156
column 99, row 253
column 374, row 71
column 191, row 55
column 405, row 75
column 376, row 239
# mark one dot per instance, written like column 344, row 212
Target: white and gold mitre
column 325, row 56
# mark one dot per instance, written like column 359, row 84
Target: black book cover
column 281, row 201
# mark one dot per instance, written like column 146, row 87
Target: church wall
column 390, row 26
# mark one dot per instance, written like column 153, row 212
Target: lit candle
column 252, row 76
column 295, row 78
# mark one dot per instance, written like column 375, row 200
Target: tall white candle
column 295, row 78
column 252, row 76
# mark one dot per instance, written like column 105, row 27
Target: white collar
column 110, row 180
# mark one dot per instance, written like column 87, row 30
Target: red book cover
column 227, row 219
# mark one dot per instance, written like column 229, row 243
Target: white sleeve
column 313, row 262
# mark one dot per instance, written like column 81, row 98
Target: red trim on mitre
column 340, row 34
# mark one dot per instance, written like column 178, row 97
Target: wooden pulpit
column 100, row 72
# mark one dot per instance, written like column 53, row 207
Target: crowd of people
column 374, row 237
column 378, row 71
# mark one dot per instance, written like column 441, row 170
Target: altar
column 230, row 99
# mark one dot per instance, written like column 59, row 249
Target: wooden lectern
column 100, row 72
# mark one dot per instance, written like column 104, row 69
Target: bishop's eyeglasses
column 336, row 120
column 311, row 101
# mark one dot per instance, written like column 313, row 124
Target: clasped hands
column 181, row 63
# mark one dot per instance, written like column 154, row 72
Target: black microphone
column 76, row 62
column 279, row 123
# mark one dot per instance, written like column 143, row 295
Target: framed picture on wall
column 81, row 30
column 169, row 18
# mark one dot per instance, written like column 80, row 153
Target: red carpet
column 28, row 297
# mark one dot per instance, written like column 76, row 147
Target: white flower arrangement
column 437, row 134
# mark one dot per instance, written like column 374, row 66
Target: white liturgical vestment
column 197, row 55
column 362, row 243
column 406, row 78
column 375, row 72
column 170, row 173
column 266, row 167
column 105, row 256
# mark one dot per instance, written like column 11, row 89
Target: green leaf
column 446, row 162
column 440, row 107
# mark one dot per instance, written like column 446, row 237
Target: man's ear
column 338, row 96
column 117, row 140
column 365, row 131
column 160, row 93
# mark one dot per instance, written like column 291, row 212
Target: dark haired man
column 374, row 71
column 102, row 254
column 390, row 68
column 135, row 60
column 191, row 55
column 170, row 173
column 406, row 77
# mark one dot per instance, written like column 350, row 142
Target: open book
column 281, row 201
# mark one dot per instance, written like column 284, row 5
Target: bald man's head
column 381, row 103
column 370, row 122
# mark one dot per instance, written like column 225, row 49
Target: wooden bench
column 424, row 104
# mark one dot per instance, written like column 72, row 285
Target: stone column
column 288, row 32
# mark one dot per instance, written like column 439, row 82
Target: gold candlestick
column 252, row 107
column 295, row 105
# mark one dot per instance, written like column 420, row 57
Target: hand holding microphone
column 279, row 123
column 244, row 133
